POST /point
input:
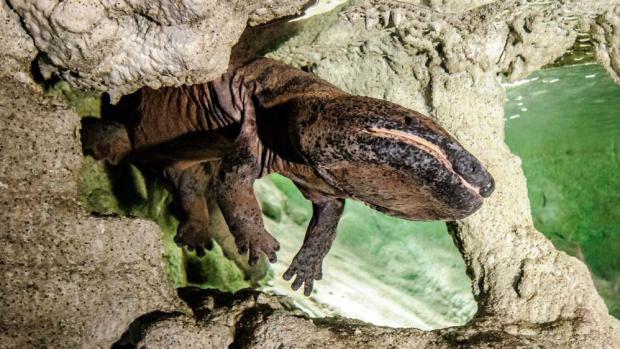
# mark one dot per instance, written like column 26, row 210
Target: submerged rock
column 381, row 270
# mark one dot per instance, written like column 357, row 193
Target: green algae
column 124, row 191
column 85, row 103
column 292, row 201
column 564, row 124
column 127, row 191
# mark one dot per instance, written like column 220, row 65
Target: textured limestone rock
column 250, row 319
column 185, row 332
column 264, row 11
column 450, row 5
column 120, row 46
column 16, row 47
column 68, row 279
column 254, row 320
column 217, row 323
column 606, row 37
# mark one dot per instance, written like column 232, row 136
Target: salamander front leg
column 235, row 196
column 321, row 232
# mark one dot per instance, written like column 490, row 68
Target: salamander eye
column 101, row 151
column 473, row 168
column 466, row 166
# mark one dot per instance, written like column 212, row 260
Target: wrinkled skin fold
column 213, row 140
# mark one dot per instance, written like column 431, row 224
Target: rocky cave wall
column 71, row 279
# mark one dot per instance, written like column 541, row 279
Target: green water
column 564, row 123
column 381, row 269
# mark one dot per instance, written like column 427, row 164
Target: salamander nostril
column 488, row 188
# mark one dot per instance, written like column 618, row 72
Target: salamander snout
column 488, row 188
column 475, row 174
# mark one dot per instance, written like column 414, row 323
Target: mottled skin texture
column 216, row 138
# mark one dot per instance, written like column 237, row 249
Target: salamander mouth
column 425, row 146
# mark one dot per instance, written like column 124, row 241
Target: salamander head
column 394, row 159
column 105, row 140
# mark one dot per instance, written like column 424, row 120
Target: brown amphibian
column 217, row 138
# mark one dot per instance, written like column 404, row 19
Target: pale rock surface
column 450, row 5
column 118, row 46
column 254, row 320
column 16, row 48
column 68, row 279
column 606, row 37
